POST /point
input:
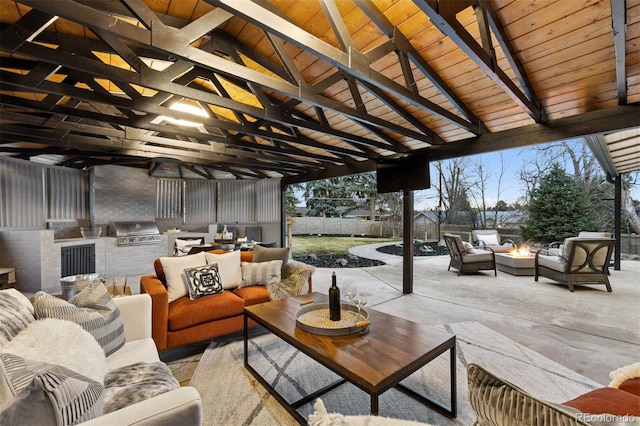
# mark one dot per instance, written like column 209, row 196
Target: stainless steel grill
column 135, row 233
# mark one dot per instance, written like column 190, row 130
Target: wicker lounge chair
column 579, row 261
column 483, row 238
column 468, row 259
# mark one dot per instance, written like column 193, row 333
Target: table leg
column 246, row 340
column 374, row 404
column 454, row 392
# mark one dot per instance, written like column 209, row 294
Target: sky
column 512, row 188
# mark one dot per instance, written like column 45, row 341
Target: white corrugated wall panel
column 21, row 195
column 200, row 201
column 68, row 194
column 268, row 205
column 236, row 201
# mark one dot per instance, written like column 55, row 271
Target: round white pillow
column 60, row 342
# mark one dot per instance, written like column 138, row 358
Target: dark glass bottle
column 334, row 299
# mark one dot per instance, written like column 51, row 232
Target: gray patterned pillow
column 14, row 317
column 49, row 394
column 92, row 308
column 203, row 281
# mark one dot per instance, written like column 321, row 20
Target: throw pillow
column 263, row 273
column 50, row 394
column 607, row 401
column 266, row 254
column 489, row 240
column 136, row 382
column 92, row 308
column 228, row 267
column 57, row 341
column 173, row 268
column 203, row 281
column 24, row 300
column 295, row 279
column 631, row 386
column 469, row 247
column 496, row 401
column 14, row 317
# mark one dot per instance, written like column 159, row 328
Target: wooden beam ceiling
column 296, row 90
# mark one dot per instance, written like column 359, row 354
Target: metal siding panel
column 268, row 200
column 236, row 201
column 21, row 195
column 200, row 206
column 168, row 198
column 67, row 191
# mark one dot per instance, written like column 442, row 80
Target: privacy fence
column 630, row 243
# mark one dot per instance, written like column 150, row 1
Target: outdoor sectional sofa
column 88, row 361
column 247, row 278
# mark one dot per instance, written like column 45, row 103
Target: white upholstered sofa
column 181, row 405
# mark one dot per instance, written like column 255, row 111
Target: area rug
column 231, row 396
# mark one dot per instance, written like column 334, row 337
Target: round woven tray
column 315, row 319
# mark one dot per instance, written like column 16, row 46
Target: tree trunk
column 630, row 211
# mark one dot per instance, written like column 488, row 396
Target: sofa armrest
column 152, row 286
column 180, row 406
column 136, row 313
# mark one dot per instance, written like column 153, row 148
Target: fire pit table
column 515, row 264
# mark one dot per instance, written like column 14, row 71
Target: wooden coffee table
column 375, row 360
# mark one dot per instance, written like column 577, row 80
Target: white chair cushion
column 552, row 262
column 478, row 256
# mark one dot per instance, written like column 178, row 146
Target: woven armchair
column 489, row 238
column 468, row 259
column 579, row 261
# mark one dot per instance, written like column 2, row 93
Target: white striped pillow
column 92, row 308
column 261, row 273
column 44, row 389
column 14, row 317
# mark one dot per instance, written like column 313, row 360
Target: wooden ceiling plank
column 354, row 62
column 452, row 28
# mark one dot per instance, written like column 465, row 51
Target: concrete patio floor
column 589, row 331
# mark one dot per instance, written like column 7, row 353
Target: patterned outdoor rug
column 231, row 396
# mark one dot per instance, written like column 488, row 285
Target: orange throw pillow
column 607, row 400
column 631, row 385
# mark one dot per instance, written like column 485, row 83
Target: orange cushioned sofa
column 184, row 320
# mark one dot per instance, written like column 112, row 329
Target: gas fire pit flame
column 520, row 252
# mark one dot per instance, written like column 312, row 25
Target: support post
column 617, row 222
column 407, row 243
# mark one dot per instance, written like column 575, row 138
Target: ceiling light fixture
column 187, row 108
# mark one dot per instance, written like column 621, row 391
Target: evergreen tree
column 558, row 208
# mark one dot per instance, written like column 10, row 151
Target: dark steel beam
column 353, row 62
column 619, row 24
column 402, row 44
column 445, row 20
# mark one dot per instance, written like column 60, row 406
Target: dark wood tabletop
column 388, row 351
